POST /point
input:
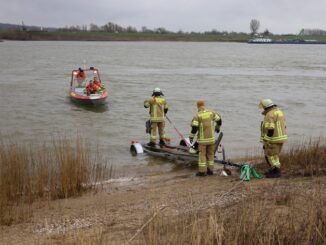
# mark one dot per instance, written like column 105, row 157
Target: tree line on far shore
column 115, row 28
column 111, row 27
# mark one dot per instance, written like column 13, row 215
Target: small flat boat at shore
column 180, row 153
column 92, row 92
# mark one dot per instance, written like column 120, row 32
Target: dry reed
column 306, row 159
column 38, row 171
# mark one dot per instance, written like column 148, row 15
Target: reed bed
column 45, row 171
column 306, row 159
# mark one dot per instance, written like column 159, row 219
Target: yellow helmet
column 265, row 103
column 200, row 103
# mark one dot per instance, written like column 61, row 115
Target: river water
column 230, row 77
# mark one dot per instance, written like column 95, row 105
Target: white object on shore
column 223, row 173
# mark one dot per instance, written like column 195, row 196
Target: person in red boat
column 81, row 76
column 92, row 88
column 98, row 83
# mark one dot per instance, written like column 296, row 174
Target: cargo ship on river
column 299, row 39
column 293, row 41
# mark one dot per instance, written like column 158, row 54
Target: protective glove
column 217, row 130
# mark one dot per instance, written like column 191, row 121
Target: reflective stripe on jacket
column 205, row 120
column 274, row 120
column 157, row 106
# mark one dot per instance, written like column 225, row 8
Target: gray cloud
column 278, row 16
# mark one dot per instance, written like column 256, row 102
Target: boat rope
column 229, row 191
column 144, row 225
column 221, row 196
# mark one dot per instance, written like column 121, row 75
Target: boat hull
column 174, row 153
column 93, row 99
column 180, row 153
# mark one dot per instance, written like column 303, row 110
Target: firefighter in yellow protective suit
column 158, row 109
column 205, row 122
column 273, row 135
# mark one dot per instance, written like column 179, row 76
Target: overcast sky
column 278, row 16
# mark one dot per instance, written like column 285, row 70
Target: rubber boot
column 275, row 173
column 209, row 172
column 200, row 174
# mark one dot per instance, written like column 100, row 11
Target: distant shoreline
column 140, row 36
column 105, row 36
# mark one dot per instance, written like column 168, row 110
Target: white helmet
column 157, row 91
column 265, row 103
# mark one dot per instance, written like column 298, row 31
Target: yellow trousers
column 206, row 158
column 272, row 152
column 154, row 126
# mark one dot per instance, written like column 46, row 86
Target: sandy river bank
column 115, row 213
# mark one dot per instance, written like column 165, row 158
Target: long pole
column 180, row 134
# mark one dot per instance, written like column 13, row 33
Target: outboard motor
column 136, row 148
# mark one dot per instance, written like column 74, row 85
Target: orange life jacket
column 80, row 75
column 91, row 88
